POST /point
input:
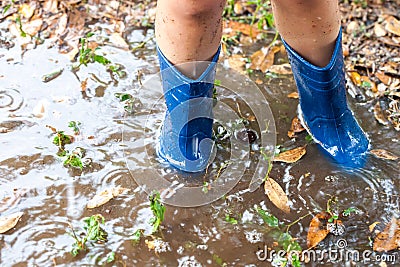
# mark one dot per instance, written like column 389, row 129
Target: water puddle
column 120, row 151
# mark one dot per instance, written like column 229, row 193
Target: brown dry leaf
column 238, row 27
column 355, row 78
column 295, row 127
column 276, row 194
column 389, row 238
column 372, row 226
column 317, row 230
column 238, row 8
column 283, row 69
column 384, row 154
column 379, row 116
column 379, row 30
column 258, row 81
column 263, row 59
column 383, row 77
column 84, row 85
column 292, row 155
column 9, row 221
column 237, row 63
column 104, row 196
column 150, row 244
column 32, row 27
column 294, row 95
column 50, row 6
column 393, row 25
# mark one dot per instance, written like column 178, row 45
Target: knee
column 192, row 9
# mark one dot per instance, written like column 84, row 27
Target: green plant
column 230, row 219
column 61, row 140
column 158, row 210
column 128, row 101
column 74, row 159
column 74, row 125
column 88, row 55
column 92, row 231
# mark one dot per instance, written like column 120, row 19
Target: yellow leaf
column 9, row 221
column 276, row 194
column 316, row 231
column 294, row 95
column 355, row 78
column 372, row 226
column 292, row 155
column 26, row 10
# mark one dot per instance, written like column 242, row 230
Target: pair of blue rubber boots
column 186, row 136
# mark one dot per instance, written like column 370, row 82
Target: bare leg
column 189, row 30
column 310, row 27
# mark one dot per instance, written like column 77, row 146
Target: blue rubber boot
column 323, row 107
column 186, row 135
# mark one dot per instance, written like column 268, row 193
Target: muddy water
column 52, row 196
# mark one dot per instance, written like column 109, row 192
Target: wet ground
column 52, row 196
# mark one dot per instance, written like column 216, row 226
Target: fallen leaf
column 32, row 27
column 384, row 154
column 379, row 30
column 238, row 8
column 283, row 69
column 150, row 244
column 51, row 6
column 237, row 63
column 355, row 78
column 383, row 77
column 27, row 10
column 84, row 85
column 353, row 27
column 379, row 116
column 295, row 127
column 238, row 27
column 393, row 25
column 40, row 109
column 294, row 95
column 372, row 226
column 389, row 238
column 119, row 41
column 292, row 155
column 276, row 194
column 9, row 221
column 370, row 83
column 104, row 196
column 263, row 59
column 317, row 231
column 259, row 81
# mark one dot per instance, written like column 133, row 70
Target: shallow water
column 118, row 149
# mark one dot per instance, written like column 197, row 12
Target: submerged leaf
column 276, row 194
column 292, row 155
column 317, row 231
column 9, row 221
column 389, row 238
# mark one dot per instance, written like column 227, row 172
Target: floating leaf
column 52, row 75
column 276, row 194
column 389, row 238
column 379, row 116
column 384, row 154
column 9, row 221
column 12, row 200
column 317, row 231
column 296, row 127
column 292, row 155
column 294, row 95
column 104, row 196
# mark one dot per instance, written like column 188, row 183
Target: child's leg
column 310, row 27
column 188, row 31
column 311, row 33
